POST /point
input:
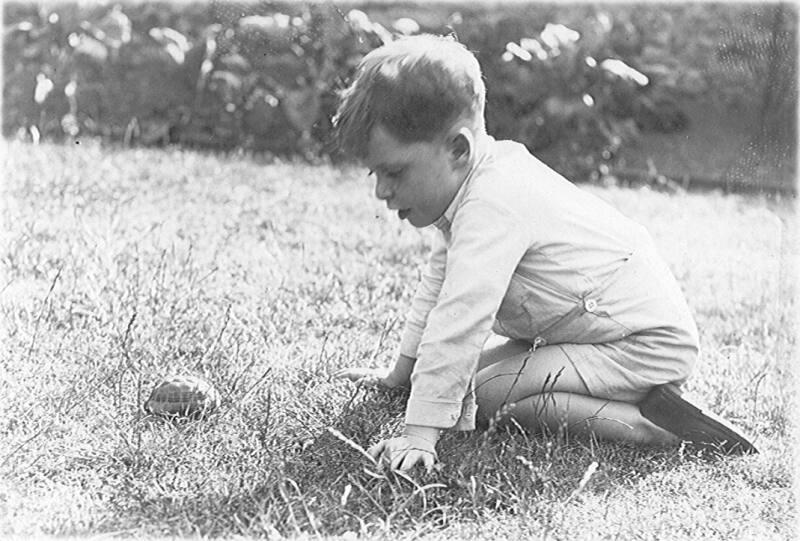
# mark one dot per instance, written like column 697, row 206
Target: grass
column 123, row 266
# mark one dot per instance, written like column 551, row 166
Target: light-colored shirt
column 528, row 254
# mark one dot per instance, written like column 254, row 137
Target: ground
column 123, row 266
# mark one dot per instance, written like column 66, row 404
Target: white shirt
column 528, row 254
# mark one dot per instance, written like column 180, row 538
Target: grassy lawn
column 120, row 267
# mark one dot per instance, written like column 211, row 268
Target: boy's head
column 416, row 88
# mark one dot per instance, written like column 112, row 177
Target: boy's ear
column 461, row 146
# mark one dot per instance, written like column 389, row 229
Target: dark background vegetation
column 718, row 107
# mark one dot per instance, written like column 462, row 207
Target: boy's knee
column 494, row 389
column 486, row 406
column 493, row 404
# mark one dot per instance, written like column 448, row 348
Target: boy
column 598, row 334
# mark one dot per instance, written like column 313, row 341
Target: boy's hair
column 416, row 88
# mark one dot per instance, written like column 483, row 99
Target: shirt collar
column 482, row 152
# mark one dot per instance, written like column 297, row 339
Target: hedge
column 579, row 80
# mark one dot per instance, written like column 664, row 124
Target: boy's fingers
column 349, row 374
column 404, row 459
column 397, row 460
column 428, row 460
column 358, row 375
column 398, row 454
column 411, row 460
column 388, row 453
column 376, row 450
column 408, row 458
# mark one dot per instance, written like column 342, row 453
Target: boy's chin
column 416, row 221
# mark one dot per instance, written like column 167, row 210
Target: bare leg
column 499, row 348
column 543, row 390
column 581, row 414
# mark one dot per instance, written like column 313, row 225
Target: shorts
column 625, row 370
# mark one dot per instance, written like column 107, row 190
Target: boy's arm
column 486, row 249
column 425, row 298
column 487, row 245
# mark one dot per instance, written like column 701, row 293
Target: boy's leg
column 499, row 348
column 546, row 390
column 582, row 414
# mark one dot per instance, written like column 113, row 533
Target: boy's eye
column 391, row 173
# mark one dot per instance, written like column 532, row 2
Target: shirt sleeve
column 424, row 299
column 486, row 246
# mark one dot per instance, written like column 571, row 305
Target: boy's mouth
column 403, row 213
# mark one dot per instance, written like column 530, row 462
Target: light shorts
column 625, row 370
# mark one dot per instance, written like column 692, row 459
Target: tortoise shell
column 187, row 396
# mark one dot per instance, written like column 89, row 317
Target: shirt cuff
column 439, row 414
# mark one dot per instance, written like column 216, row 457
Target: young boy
column 598, row 335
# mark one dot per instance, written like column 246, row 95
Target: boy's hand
column 416, row 446
column 375, row 377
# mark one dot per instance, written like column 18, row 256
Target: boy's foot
column 664, row 406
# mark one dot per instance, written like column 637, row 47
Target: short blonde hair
column 416, row 88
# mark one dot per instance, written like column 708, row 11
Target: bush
column 568, row 92
column 573, row 83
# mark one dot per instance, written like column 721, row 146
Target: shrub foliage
column 577, row 80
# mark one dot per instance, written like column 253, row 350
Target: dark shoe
column 664, row 406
